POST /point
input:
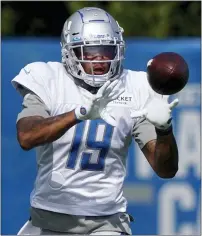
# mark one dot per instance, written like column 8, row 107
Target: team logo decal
column 83, row 111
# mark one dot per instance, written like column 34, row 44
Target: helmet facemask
column 76, row 56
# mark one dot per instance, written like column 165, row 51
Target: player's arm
column 35, row 126
column 162, row 154
column 36, row 130
column 160, row 149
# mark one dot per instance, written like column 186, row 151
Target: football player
column 81, row 116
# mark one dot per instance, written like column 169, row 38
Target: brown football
column 167, row 73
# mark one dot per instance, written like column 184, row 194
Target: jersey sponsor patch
column 125, row 100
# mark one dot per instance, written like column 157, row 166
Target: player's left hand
column 157, row 112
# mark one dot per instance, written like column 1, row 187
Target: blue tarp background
column 158, row 206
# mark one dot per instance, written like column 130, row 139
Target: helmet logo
column 99, row 36
column 76, row 38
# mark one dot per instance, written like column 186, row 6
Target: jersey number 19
column 97, row 140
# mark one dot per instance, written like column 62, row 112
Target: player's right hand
column 96, row 107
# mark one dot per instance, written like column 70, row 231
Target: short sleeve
column 143, row 132
column 35, row 77
column 32, row 105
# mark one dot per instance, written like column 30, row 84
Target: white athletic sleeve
column 143, row 132
column 32, row 105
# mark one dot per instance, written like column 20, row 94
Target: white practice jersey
column 82, row 173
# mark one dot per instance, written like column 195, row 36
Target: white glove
column 157, row 112
column 96, row 107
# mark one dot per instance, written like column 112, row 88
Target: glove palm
column 157, row 112
column 96, row 106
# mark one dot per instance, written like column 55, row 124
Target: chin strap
column 82, row 84
column 86, row 86
column 90, row 88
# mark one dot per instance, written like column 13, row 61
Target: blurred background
column 31, row 32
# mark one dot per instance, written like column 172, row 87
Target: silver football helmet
column 92, row 31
